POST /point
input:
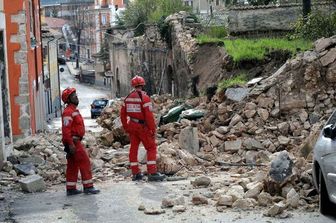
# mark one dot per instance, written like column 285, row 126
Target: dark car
column 61, row 61
column 324, row 168
column 97, row 107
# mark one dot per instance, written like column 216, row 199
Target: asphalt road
column 119, row 202
column 86, row 94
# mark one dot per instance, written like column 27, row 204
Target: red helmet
column 138, row 81
column 66, row 93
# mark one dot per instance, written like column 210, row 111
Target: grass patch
column 256, row 49
column 247, row 49
column 201, row 39
column 234, row 81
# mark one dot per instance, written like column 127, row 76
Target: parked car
column 97, row 107
column 61, row 61
column 324, row 168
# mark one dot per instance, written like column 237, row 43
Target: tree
column 144, row 11
column 77, row 23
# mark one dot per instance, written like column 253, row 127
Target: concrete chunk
column 33, row 183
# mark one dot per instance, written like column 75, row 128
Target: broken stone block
column 249, row 113
column 232, row 146
column 255, row 191
column 236, row 192
column 276, row 209
column 201, row 182
column 283, row 140
column 253, row 144
column 7, row 166
column 225, row 200
column 187, row 157
column 35, row 160
column 141, row 207
column 32, row 183
column 222, row 130
column 26, row 169
column 331, row 73
column 293, row 198
column 179, row 209
column 236, row 118
column 236, row 94
column 263, row 113
column 281, row 167
column 244, row 204
column 264, row 199
column 154, row 211
column 167, row 203
column 283, row 128
column 188, row 140
column 198, row 199
column 324, row 43
column 251, row 157
column 167, row 165
column 329, row 57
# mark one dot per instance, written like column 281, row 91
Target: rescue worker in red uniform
column 73, row 131
column 138, row 121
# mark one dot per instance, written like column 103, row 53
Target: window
column 103, row 20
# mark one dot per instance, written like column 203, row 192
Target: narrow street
column 119, row 202
column 86, row 94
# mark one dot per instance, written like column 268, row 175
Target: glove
column 70, row 150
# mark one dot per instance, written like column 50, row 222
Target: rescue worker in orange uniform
column 138, row 121
column 73, row 131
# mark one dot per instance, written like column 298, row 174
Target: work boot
column 91, row 190
column 137, row 177
column 71, row 192
column 156, row 177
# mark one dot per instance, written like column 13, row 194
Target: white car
column 324, row 168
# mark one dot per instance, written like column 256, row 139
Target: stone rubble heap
column 262, row 140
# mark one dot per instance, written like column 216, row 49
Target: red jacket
column 138, row 105
column 72, row 124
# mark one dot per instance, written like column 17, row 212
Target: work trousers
column 140, row 133
column 78, row 162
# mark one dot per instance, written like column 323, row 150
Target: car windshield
column 100, row 102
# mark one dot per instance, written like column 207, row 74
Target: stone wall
column 262, row 18
column 146, row 55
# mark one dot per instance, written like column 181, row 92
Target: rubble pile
column 272, row 124
column 260, row 135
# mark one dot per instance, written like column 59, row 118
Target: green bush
column 234, row 81
column 216, row 32
column 144, row 11
column 315, row 26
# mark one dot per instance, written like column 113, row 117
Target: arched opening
column 118, row 83
column 170, row 80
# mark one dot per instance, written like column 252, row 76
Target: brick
column 20, row 57
column 24, row 72
column 25, row 122
column 32, row 183
column 22, row 99
column 19, row 18
column 24, row 88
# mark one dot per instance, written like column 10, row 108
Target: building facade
column 22, row 80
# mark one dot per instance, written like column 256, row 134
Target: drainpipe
column 58, row 77
column 50, row 99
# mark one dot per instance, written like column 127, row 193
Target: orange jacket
column 138, row 105
column 72, row 125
